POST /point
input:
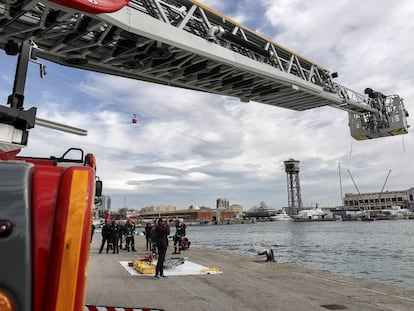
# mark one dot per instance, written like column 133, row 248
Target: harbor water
column 380, row 251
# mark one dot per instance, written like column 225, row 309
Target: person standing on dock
column 179, row 234
column 121, row 233
column 162, row 231
column 148, row 228
column 153, row 238
column 106, row 236
column 115, row 232
column 129, row 231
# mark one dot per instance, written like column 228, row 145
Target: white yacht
column 312, row 215
column 280, row 216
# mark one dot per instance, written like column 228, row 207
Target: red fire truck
column 45, row 224
column 45, row 212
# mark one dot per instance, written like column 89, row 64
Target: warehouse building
column 380, row 200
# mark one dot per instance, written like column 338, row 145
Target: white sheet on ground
column 187, row 268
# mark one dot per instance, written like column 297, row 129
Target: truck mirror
column 98, row 188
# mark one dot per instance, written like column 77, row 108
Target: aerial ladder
column 185, row 44
column 45, row 221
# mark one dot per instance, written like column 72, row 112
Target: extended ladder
column 185, row 44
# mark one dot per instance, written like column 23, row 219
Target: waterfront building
column 158, row 209
column 192, row 215
column 222, row 203
column 380, row 200
column 237, row 209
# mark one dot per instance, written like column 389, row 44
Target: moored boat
column 315, row 214
column 280, row 216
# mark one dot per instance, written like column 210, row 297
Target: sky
column 190, row 148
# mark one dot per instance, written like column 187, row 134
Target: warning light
column 6, row 302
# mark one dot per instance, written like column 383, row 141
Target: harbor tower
column 293, row 186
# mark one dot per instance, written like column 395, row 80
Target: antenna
column 340, row 182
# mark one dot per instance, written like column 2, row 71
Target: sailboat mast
column 340, row 183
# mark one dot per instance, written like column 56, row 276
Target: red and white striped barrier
column 100, row 308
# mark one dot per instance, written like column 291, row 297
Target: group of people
column 156, row 235
column 151, row 236
column 114, row 233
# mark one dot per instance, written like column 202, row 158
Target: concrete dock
column 247, row 283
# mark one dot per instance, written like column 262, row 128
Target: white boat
column 280, row 216
column 314, row 214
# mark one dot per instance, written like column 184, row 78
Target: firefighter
column 121, row 233
column 148, row 228
column 129, row 231
column 115, row 233
column 106, row 236
column 153, row 238
column 179, row 234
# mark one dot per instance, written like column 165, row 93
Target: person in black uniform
column 121, row 233
column 153, row 238
column 129, row 231
column 148, row 228
column 162, row 231
column 179, row 234
column 106, row 235
column 115, row 232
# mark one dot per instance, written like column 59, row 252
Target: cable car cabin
column 45, row 223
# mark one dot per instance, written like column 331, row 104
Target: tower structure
column 293, row 186
column 222, row 203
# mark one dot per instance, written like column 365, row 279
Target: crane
column 186, row 44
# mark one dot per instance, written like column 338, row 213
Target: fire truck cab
column 45, row 225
